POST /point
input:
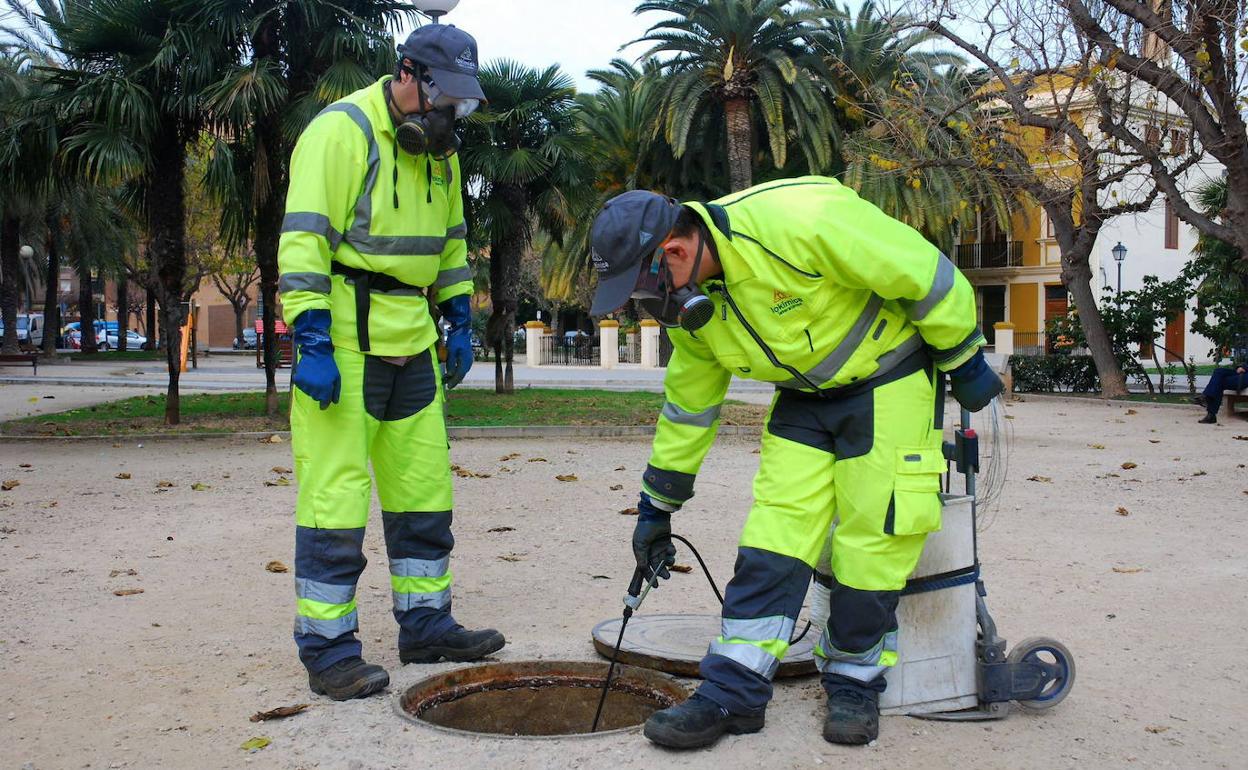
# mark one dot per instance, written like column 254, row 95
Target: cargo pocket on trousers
column 915, row 506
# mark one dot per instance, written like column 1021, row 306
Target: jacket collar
column 736, row 269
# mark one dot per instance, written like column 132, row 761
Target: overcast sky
column 576, row 34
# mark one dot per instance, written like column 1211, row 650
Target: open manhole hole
column 538, row 698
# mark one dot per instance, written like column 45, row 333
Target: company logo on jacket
column 783, row 303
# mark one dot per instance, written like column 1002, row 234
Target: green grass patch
column 117, row 355
column 1153, row 398
column 233, row 412
column 1177, row 370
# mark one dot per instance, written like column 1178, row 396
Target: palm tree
column 730, row 59
column 522, row 163
column 290, row 59
column 132, row 84
column 1220, row 277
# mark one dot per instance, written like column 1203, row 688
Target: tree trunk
column 150, row 322
column 166, row 220
column 269, row 214
column 9, row 276
column 86, row 309
column 740, row 139
column 123, row 310
column 506, row 254
column 51, row 292
column 239, row 311
column 1078, row 279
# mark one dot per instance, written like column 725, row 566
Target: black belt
column 366, row 282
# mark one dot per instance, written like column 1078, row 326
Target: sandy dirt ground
column 169, row 677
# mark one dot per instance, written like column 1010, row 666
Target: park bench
column 1233, row 397
column 19, row 358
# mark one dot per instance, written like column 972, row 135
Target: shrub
column 1054, row 374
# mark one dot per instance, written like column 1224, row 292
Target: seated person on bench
column 1233, row 377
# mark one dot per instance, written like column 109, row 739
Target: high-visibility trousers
column 872, row 461
column 392, row 415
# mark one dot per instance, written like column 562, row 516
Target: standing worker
column 852, row 315
column 374, row 220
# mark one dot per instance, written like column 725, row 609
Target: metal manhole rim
column 396, row 700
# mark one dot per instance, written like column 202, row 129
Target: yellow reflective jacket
column 357, row 200
column 820, row 290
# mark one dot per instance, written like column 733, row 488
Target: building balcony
column 979, row 256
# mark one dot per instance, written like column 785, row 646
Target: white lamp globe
column 435, row 8
column 26, row 252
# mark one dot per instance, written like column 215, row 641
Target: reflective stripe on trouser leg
column 331, row 465
column 412, row 466
column 859, row 641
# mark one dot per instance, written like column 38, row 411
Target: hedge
column 1054, row 373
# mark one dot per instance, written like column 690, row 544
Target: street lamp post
column 1120, row 253
column 435, row 9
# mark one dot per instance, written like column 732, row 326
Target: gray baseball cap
column 450, row 55
column 629, row 228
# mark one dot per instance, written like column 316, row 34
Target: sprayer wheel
column 1052, row 655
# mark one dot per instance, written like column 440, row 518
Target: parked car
column 73, row 336
column 248, row 341
column 29, row 329
column 134, row 340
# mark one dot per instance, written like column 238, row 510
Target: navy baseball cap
column 450, row 55
column 629, row 228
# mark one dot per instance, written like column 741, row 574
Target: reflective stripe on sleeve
column 703, row 419
column 942, row 283
column 314, row 282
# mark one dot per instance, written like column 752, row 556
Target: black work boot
column 457, row 645
column 349, row 678
column 697, row 722
column 853, row 716
column 1208, row 419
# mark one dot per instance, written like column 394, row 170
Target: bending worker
column 374, row 221
column 852, row 315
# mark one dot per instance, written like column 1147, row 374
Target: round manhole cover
column 675, row 644
column 538, row 699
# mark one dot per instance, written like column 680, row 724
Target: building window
column 1048, row 227
column 1178, row 142
column 1172, row 227
column 1152, row 137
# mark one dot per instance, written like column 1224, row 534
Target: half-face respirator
column 433, row 130
column 685, row 306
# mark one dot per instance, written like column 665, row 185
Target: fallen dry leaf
column 255, row 744
column 24, row 465
column 1122, row 511
column 512, row 557
column 629, row 512
column 1240, row 438
column 1044, row 479
column 276, row 566
column 511, row 456
column 273, row 439
column 464, row 473
column 1128, row 570
column 281, row 469
column 1132, row 411
column 116, row 572
column 681, row 568
column 1156, row 728
column 566, row 477
column 200, row 487
column 621, row 468
column 123, row 476
column 10, row 484
column 1128, row 466
column 1200, row 473
column 1097, row 446
column 616, row 487
column 538, row 460
column 279, row 713
column 280, row 481
column 127, row 591
column 501, row 529
column 1154, row 441
column 599, row 577
column 163, row 484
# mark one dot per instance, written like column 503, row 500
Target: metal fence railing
column 580, row 352
column 975, row 256
column 630, row 348
column 1029, row 343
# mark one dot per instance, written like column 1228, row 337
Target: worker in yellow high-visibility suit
column 856, row 319
column 374, row 222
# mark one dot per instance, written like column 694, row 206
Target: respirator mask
column 685, row 306
column 433, row 130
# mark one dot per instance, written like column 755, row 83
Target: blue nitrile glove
column 458, row 312
column 652, row 539
column 315, row 371
column 974, row 383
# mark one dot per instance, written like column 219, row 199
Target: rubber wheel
column 1052, row 655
